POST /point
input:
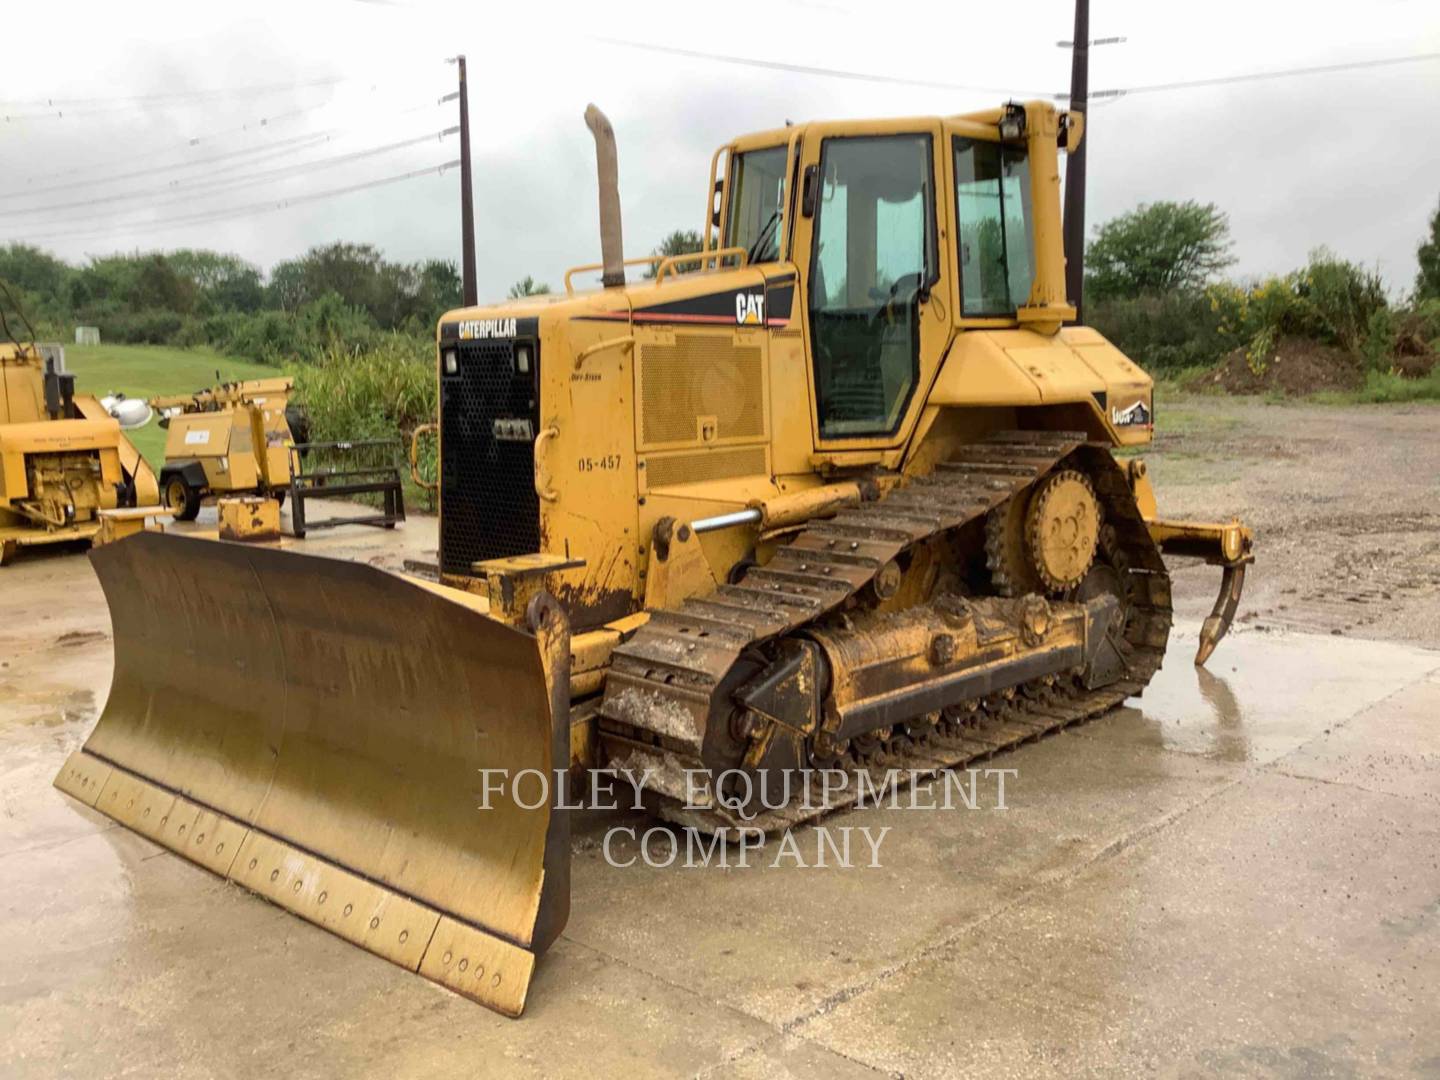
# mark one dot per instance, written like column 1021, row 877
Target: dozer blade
column 315, row 730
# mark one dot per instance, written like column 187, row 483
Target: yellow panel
column 199, row 435
column 55, row 436
column 480, row 966
column 83, row 777
column 702, row 465
column 701, row 375
column 369, row 915
column 249, row 517
column 790, row 418
column 979, row 372
column 1056, row 371
column 185, row 827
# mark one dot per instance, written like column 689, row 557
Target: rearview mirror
column 808, row 191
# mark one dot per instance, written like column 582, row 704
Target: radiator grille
column 488, row 506
column 705, row 465
column 700, row 376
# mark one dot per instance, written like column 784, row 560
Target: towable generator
column 839, row 492
column 232, row 438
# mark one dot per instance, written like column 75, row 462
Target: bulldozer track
column 670, row 678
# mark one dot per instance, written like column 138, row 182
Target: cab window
column 757, row 183
column 871, row 268
column 992, row 202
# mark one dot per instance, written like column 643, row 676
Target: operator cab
column 853, row 207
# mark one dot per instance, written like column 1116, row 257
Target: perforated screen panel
column 700, row 376
column 694, row 468
column 488, row 506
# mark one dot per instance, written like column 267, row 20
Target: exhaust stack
column 612, row 249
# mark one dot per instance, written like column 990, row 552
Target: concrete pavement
column 1240, row 873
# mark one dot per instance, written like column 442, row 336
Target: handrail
column 787, row 226
column 590, row 268
column 626, row 341
column 542, row 482
column 415, row 457
column 703, row 257
column 710, row 199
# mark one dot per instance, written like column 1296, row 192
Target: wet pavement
column 1238, row 873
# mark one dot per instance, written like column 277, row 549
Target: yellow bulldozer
column 64, row 461
column 838, row 496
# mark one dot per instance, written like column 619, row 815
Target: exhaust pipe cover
column 612, row 250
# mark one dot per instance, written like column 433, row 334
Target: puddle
column 1263, row 695
column 45, row 709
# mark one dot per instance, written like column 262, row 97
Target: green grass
column 141, row 371
column 1385, row 388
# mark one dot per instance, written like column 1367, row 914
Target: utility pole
column 1074, row 228
column 467, row 200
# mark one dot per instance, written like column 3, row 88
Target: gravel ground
column 1344, row 500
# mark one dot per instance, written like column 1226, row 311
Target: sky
column 141, row 126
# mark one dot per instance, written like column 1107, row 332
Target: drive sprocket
column 1011, row 572
column 1062, row 528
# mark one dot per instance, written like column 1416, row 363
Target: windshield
column 992, row 198
column 757, row 182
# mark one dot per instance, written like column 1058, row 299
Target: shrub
column 154, row 327
column 1165, row 333
column 1331, row 301
column 381, row 393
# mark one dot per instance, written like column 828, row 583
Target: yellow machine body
column 64, row 461
column 251, row 518
column 845, row 441
column 229, row 439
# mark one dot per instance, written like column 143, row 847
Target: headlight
column 522, row 359
column 452, row 362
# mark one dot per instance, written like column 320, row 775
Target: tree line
column 336, row 292
column 1154, row 286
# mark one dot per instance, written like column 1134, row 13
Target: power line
column 896, row 80
column 256, row 153
column 1263, row 76
column 261, row 126
column 805, row 69
column 190, row 188
column 267, row 206
column 178, row 95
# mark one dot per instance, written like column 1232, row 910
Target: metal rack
column 343, row 470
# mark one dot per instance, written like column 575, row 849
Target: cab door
column 869, row 250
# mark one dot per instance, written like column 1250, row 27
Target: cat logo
column 750, row 309
column 478, row 329
column 1136, row 415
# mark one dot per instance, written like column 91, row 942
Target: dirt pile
column 1297, row 366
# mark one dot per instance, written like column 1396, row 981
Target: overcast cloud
column 1349, row 161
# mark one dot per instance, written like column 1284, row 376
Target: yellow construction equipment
column 232, row 438
column 838, row 492
column 64, row 461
